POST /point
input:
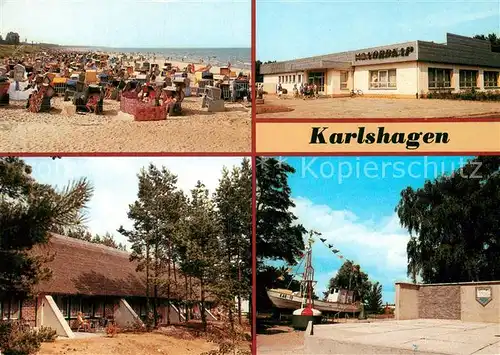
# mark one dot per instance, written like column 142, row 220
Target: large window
column 383, row 79
column 491, row 79
column 344, row 76
column 76, row 307
column 10, row 309
column 87, row 307
column 439, row 78
column 468, row 78
column 62, row 303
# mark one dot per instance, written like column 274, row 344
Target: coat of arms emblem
column 483, row 295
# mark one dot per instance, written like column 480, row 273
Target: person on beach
column 280, row 90
column 168, row 100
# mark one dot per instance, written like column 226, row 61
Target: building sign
column 483, row 295
column 385, row 53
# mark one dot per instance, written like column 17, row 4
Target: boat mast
column 308, row 276
column 309, row 279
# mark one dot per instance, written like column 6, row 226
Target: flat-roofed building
column 408, row 69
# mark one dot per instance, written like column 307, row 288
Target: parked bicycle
column 356, row 92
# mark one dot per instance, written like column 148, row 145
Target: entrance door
column 317, row 78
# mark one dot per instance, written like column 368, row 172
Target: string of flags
column 355, row 268
column 330, row 246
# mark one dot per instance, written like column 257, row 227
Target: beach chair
column 212, row 100
column 59, row 85
column 72, row 88
column 40, row 101
column 90, row 77
column 4, row 91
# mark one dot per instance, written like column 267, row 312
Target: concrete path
column 381, row 108
column 405, row 337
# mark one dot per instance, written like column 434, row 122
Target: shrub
column 136, row 327
column 18, row 340
column 469, row 95
column 46, row 334
column 111, row 330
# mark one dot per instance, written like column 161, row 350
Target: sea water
column 238, row 57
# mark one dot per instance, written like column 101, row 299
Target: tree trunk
column 155, row 299
column 202, row 309
column 168, row 284
column 239, row 291
column 186, row 298
column 147, row 280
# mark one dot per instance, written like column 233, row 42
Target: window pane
column 382, row 76
column 14, row 310
column 87, row 307
column 392, row 78
column 75, row 307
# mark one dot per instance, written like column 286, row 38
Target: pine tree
column 202, row 243
column 29, row 211
column 156, row 215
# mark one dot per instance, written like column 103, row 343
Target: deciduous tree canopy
column 454, row 223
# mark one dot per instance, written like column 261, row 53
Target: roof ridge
column 97, row 246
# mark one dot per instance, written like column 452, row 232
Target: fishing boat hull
column 284, row 300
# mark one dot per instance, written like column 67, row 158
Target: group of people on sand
column 310, row 90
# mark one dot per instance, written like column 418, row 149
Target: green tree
column 28, row 212
column 493, row 38
column 108, row 240
column 156, row 216
column 201, row 244
column 454, row 224
column 82, row 233
column 373, row 302
column 350, row 277
column 259, row 78
column 12, row 38
column 233, row 199
column 278, row 235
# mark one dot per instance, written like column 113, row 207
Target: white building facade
column 410, row 69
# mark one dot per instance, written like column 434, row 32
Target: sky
column 116, row 184
column 130, row 23
column 290, row 29
column 352, row 201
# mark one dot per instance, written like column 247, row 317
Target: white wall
column 271, row 82
column 333, row 83
column 125, row 315
column 50, row 316
column 406, row 79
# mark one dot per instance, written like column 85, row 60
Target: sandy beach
column 62, row 130
column 115, row 131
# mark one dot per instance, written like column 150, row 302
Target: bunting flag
column 335, row 251
column 330, row 246
column 322, row 239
